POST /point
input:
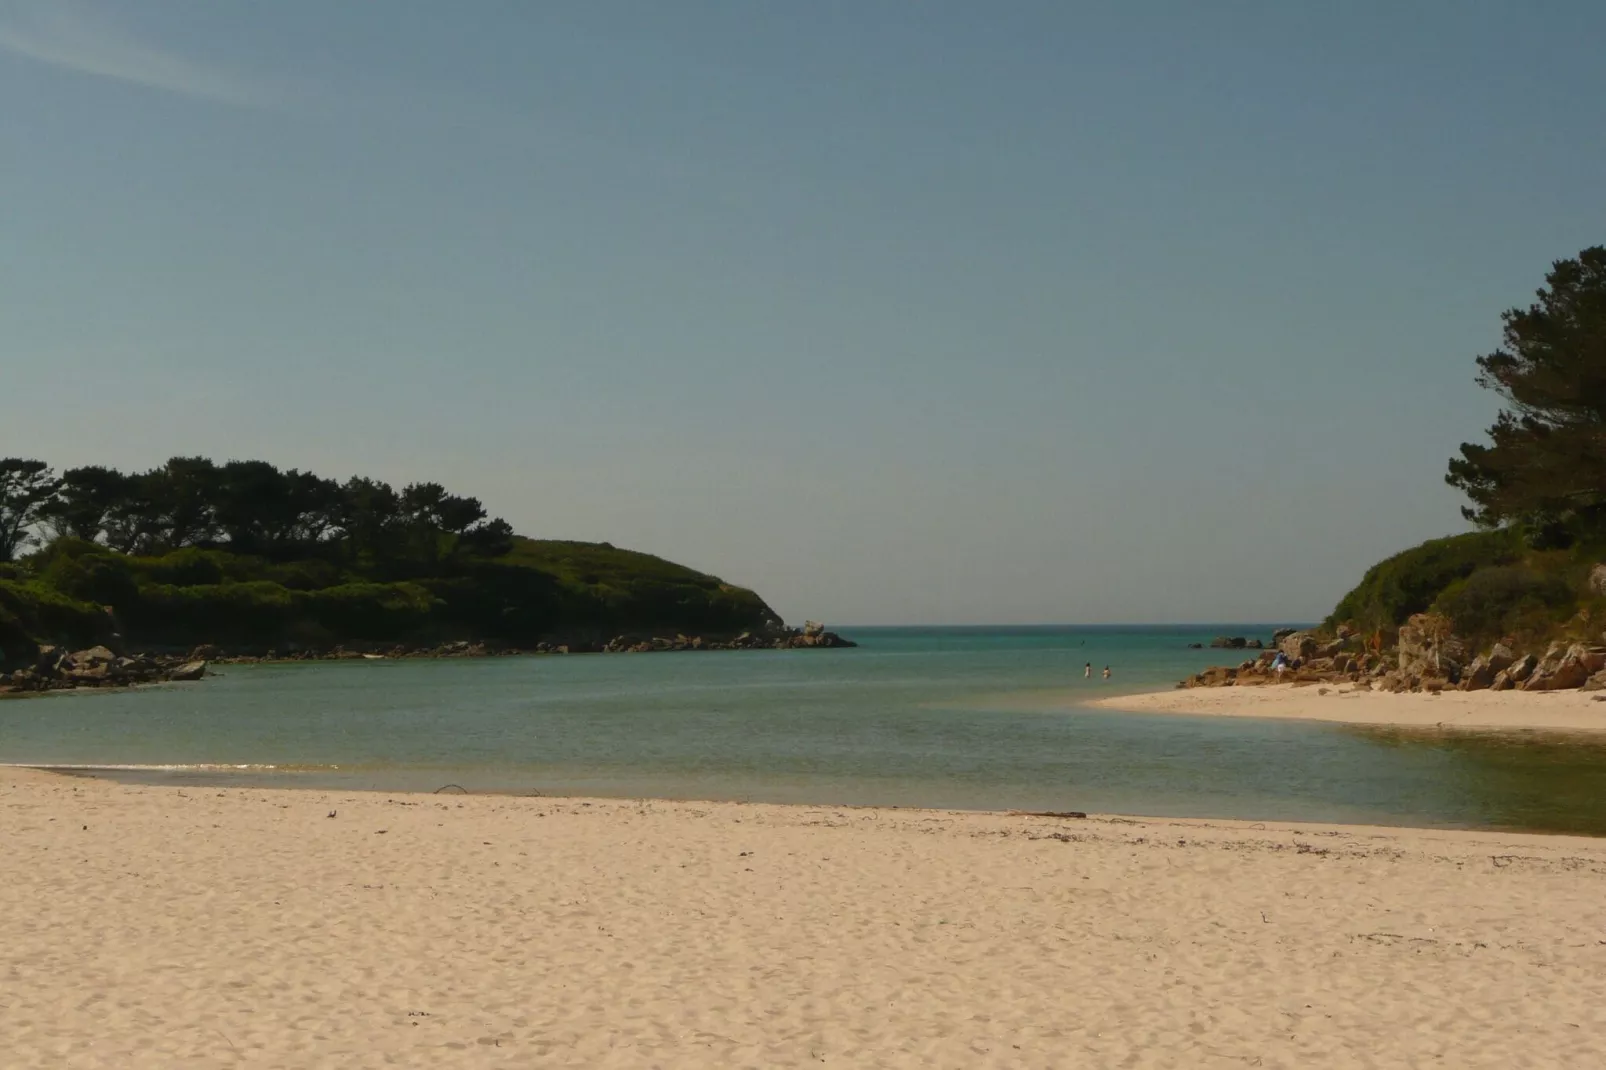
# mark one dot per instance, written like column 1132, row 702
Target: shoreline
column 148, row 927
column 1558, row 712
column 223, row 777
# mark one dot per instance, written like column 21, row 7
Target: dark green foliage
column 1410, row 581
column 383, row 611
column 1545, row 466
column 250, row 613
column 105, row 579
column 243, row 554
column 26, row 490
column 32, row 613
column 1505, row 600
column 190, row 567
column 84, row 499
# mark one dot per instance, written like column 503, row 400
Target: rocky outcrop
column 1565, row 667
column 1428, row 650
column 56, row 669
column 1232, row 642
column 1428, row 658
column 1298, row 645
column 810, row 637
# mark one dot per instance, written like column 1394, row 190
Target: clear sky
column 935, row 313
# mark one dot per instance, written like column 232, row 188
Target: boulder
column 1571, row 673
column 1280, row 634
column 1428, row 648
column 1501, row 681
column 1596, row 682
column 1593, row 658
column 1597, row 580
column 95, row 655
column 1479, row 675
column 49, row 661
column 1255, row 644
column 1501, row 657
column 1522, row 668
column 190, row 670
column 1298, row 645
column 1558, row 673
column 1392, row 681
column 1228, row 642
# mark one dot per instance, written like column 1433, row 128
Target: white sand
column 163, row 927
column 1564, row 711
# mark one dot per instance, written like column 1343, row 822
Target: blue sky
column 933, row 313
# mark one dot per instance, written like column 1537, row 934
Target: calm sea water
column 964, row 718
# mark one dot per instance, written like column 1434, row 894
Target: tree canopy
column 26, row 489
column 253, row 557
column 1544, row 468
column 249, row 507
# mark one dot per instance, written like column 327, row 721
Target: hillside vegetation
column 1489, row 586
column 1534, row 574
column 248, row 558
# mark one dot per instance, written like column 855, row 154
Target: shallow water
column 914, row 717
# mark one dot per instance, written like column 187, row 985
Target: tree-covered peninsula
column 1521, row 601
column 252, row 559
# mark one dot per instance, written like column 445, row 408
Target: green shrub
column 1410, row 581
column 188, row 567
column 252, row 613
column 1505, row 600
column 369, row 610
column 313, row 575
column 103, row 578
column 33, row 613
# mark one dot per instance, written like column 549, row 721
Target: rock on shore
column 57, row 669
column 1428, row 657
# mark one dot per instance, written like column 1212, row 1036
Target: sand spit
column 1558, row 711
column 146, row 927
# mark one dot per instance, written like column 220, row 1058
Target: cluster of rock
column 1432, row 660
column 1428, row 658
column 1230, row 642
column 57, row 669
column 811, row 635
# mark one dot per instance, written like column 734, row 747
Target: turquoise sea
column 983, row 718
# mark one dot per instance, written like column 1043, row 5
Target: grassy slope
column 539, row 590
column 1490, row 585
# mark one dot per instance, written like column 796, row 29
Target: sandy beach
column 1557, row 711
column 198, row 927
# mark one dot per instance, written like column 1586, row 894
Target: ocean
column 963, row 718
